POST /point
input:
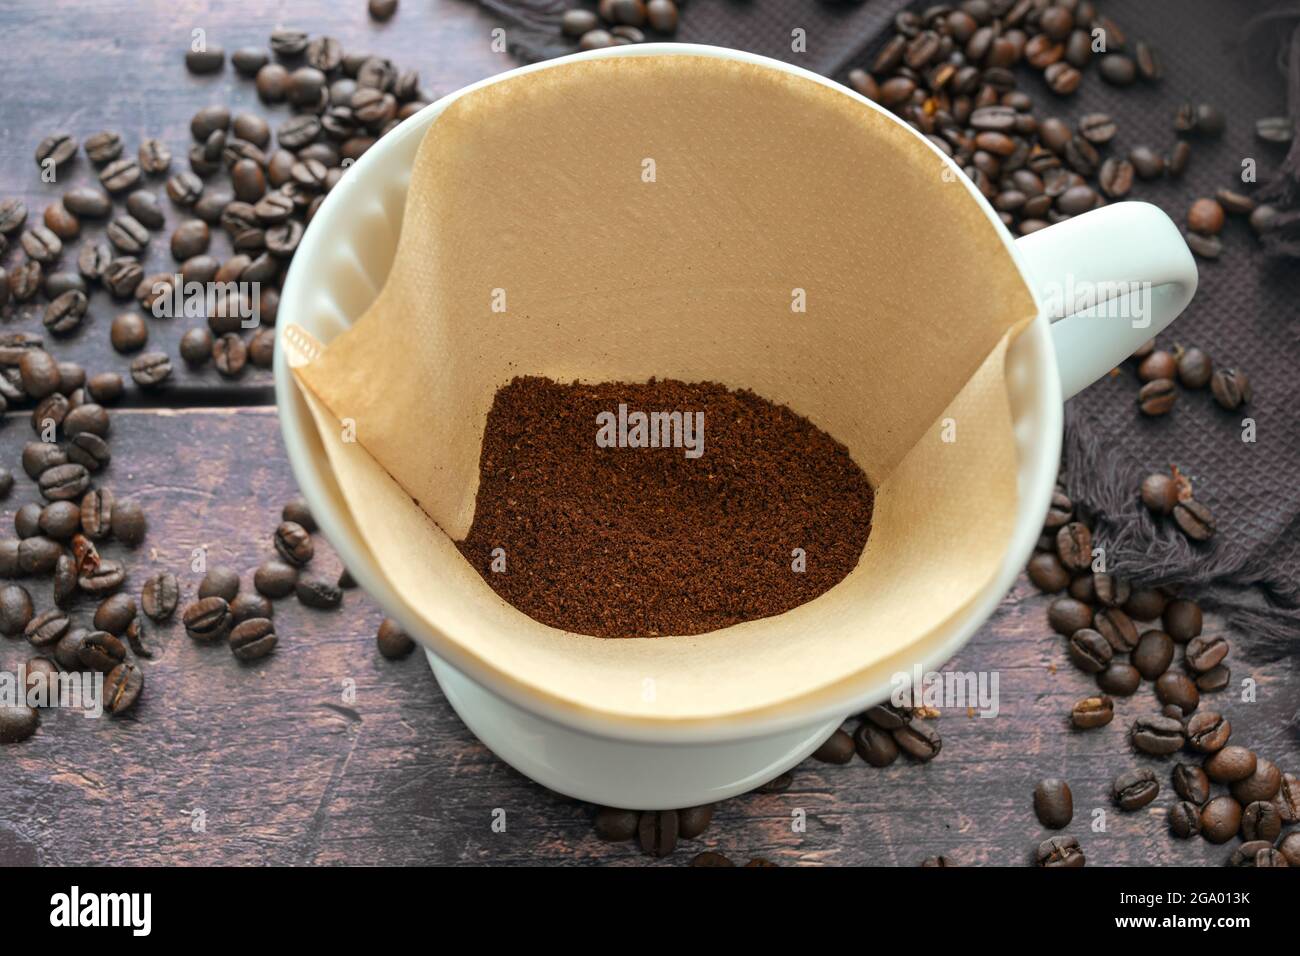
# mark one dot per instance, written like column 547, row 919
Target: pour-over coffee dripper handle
column 1108, row 280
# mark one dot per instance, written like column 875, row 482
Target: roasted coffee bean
column 1120, row 679
column 1220, row 819
column 1256, row 853
column 887, row 716
column 1176, row 688
column 288, row 43
column 38, row 374
column 46, row 628
column 1263, row 784
column 61, row 222
column 57, row 283
column 1116, row 177
column 184, row 188
column 1207, row 247
column 209, row 59
column 106, row 577
column 121, row 175
column 220, row 582
column 1185, row 819
column 1134, row 789
column 1158, row 364
column 27, row 520
column 90, row 451
column 1067, row 615
column 275, row 579
column 1231, row 388
column 392, row 641
column 17, row 723
column 1205, row 217
column 1208, row 731
column 104, row 388
column 13, row 213
column 101, row 651
column 1182, row 620
column 230, row 355
column 1118, row 629
column 837, row 748
column 115, row 613
column 207, row 619
column 160, row 595
column 103, row 147
column 318, row 593
column 15, row 610
column 1215, row 679
column 293, row 543
column 196, row 346
column 129, row 523
column 1053, row 803
column 1109, row 590
column 1047, row 573
column 123, row 276
column 1261, row 820
column 122, row 688
column 1194, row 368
column 64, row 482
column 190, row 239
column 1074, row 546
column 41, row 244
column 1154, row 653
column 245, row 606
column 1060, row 851
column 154, row 157
column 1062, row 78
column 1147, row 163
column 64, row 315
column 128, row 333
column 918, row 739
column 97, row 513
column 693, row 821
column 1191, row 783
column 253, row 639
column 1089, row 651
column 25, row 280
column 297, row 131
column 261, row 348
column 614, row 825
column 657, row 830
column 1157, row 735
column 1157, row 397
column 93, row 260
column 151, row 369
column 875, row 746
column 1205, row 651
column 60, row 520
column 1194, row 520
column 55, row 150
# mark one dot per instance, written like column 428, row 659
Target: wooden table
column 270, row 763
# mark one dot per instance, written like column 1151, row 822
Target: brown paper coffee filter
column 764, row 183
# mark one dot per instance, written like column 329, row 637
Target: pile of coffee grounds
column 642, row 542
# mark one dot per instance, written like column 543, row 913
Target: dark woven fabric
column 1246, row 313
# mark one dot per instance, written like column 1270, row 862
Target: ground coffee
column 757, row 514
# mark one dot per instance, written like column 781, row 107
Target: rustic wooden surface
column 284, row 769
column 288, row 772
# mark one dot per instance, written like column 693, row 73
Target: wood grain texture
column 288, row 771
column 83, row 66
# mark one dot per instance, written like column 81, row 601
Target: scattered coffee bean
column 1220, row 819
column 253, row 639
column 1054, row 803
column 1134, row 789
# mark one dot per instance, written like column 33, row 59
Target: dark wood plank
column 288, row 771
column 82, row 67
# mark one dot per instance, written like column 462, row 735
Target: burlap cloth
column 1246, row 313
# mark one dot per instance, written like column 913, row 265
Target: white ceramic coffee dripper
column 1129, row 253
